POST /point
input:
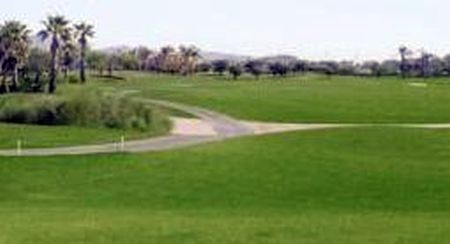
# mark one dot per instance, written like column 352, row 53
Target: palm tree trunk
column 52, row 84
column 82, row 64
column 4, row 88
column 15, row 78
column 65, row 71
column 110, row 70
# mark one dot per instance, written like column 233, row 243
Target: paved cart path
column 209, row 126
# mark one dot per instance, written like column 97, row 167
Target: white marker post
column 19, row 148
column 122, row 143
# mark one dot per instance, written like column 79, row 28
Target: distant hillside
column 279, row 59
column 212, row 56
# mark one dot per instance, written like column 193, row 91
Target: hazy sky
column 316, row 29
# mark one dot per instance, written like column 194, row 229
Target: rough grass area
column 75, row 116
column 350, row 186
column 308, row 98
column 84, row 107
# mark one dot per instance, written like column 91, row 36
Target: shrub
column 83, row 109
column 73, row 79
column 45, row 111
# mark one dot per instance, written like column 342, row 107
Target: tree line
column 187, row 60
column 22, row 66
column 182, row 60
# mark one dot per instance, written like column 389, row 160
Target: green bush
column 44, row 111
column 72, row 79
column 84, row 109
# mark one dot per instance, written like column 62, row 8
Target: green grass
column 361, row 185
column 374, row 185
column 307, row 98
column 34, row 136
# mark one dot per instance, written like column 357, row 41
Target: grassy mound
column 82, row 108
column 309, row 98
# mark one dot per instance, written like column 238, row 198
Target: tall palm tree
column 57, row 30
column 164, row 59
column 190, row 57
column 83, row 32
column 14, row 43
column 2, row 55
column 67, row 52
column 404, row 52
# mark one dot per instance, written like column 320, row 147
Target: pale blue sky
column 315, row 29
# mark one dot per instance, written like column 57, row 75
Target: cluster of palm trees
column 422, row 63
column 170, row 60
column 66, row 42
column 183, row 60
column 14, row 44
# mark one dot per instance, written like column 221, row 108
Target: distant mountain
column 279, row 59
column 213, row 56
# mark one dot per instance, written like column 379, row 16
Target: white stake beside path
column 122, row 144
column 19, row 148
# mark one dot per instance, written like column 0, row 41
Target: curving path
column 209, row 127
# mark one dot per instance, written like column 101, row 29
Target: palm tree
column 164, row 59
column 189, row 56
column 14, row 40
column 67, row 57
column 67, row 52
column 404, row 52
column 2, row 56
column 83, row 32
column 2, row 49
column 142, row 53
column 56, row 29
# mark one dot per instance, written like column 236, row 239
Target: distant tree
column 437, row 66
column 204, row 67
column 300, row 66
column 152, row 62
column 128, row 61
column 56, row 29
column 166, row 59
column 446, row 63
column 96, row 60
column 83, row 33
column 38, row 62
column 255, row 67
column 67, row 55
column 112, row 62
column 142, row 54
column 328, row 68
column 14, row 44
column 346, row 68
column 279, row 69
column 424, row 64
column 390, row 67
column 404, row 66
column 189, row 57
column 235, row 70
column 374, row 67
column 220, row 66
